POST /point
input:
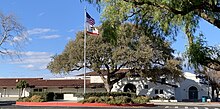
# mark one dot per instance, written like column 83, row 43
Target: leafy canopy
column 148, row 56
column 167, row 18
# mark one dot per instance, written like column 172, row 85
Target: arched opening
column 193, row 93
column 130, row 88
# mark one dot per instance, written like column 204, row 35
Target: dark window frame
column 161, row 91
column 145, row 86
column 156, row 91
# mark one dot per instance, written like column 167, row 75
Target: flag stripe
column 91, row 30
column 92, row 33
column 89, row 19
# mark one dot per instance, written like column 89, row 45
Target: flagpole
column 85, row 51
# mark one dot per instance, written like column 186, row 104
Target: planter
column 75, row 104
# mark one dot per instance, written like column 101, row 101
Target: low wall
column 74, row 104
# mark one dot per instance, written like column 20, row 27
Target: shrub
column 116, row 100
column 141, row 100
column 105, row 99
column 23, row 99
column 36, row 98
column 120, row 100
column 113, row 94
column 109, row 100
column 90, row 100
column 46, row 96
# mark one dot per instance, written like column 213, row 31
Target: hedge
column 47, row 96
column 113, row 94
column 117, row 100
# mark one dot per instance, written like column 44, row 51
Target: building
column 8, row 86
column 188, row 89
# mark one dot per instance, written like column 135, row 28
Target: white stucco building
column 188, row 89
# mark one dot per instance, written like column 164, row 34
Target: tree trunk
column 213, row 92
column 108, row 87
column 217, row 92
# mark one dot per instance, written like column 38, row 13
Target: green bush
column 96, row 100
column 116, row 100
column 109, row 100
column 36, row 98
column 141, row 100
column 23, row 99
column 46, row 96
column 105, row 99
column 113, row 94
column 120, row 100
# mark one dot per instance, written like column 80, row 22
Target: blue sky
column 51, row 24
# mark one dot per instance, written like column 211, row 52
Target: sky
column 51, row 24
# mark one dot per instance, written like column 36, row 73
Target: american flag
column 89, row 19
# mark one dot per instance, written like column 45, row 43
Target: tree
column 22, row 84
column 170, row 16
column 12, row 35
column 146, row 56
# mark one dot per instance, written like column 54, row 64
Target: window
column 145, row 86
column 156, row 91
column 161, row 91
column 35, row 90
column 163, row 80
column 38, row 90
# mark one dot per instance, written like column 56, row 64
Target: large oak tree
column 170, row 17
column 149, row 56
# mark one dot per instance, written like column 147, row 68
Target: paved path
column 156, row 107
column 212, row 104
column 188, row 107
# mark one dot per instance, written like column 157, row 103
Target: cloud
column 72, row 30
column 41, row 14
column 50, row 36
column 36, row 31
column 28, row 66
column 33, row 60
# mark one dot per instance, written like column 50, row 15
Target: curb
column 75, row 104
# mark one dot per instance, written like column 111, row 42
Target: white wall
column 95, row 79
column 9, row 92
column 182, row 92
column 139, row 83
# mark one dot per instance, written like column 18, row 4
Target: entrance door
column 193, row 93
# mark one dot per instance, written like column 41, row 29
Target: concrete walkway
column 211, row 104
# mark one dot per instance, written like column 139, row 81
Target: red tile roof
column 40, row 82
column 104, row 72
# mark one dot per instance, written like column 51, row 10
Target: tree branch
column 205, row 6
column 121, row 76
column 117, row 69
column 212, row 20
